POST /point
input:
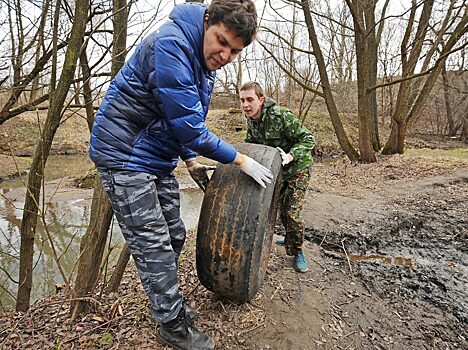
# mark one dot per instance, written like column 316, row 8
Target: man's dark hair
column 239, row 16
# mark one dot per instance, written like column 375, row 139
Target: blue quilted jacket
column 154, row 110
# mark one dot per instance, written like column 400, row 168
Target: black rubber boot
column 181, row 335
column 191, row 314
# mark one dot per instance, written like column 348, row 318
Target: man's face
column 251, row 104
column 220, row 46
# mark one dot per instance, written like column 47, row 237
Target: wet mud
column 413, row 255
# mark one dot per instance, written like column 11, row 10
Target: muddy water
column 66, row 213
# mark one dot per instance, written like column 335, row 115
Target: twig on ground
column 276, row 290
column 252, row 328
column 347, row 257
column 323, row 239
column 193, row 290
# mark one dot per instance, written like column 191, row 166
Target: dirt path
column 389, row 270
column 388, row 249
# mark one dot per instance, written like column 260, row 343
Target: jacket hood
column 190, row 18
column 269, row 102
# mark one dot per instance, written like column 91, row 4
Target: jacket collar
column 190, row 17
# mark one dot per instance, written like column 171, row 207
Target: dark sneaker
column 300, row 263
column 191, row 314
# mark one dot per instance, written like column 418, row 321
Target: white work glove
column 254, row 169
column 286, row 157
column 199, row 173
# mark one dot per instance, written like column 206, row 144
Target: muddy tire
column 236, row 225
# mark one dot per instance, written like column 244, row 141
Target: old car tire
column 236, row 227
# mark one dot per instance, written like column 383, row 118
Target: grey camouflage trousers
column 148, row 211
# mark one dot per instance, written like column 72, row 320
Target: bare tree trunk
column 345, row 144
column 396, row 140
column 53, row 75
column 119, row 270
column 17, row 47
column 91, row 249
column 464, row 134
column 373, row 44
column 94, row 240
column 290, row 86
column 448, row 107
column 31, row 206
column 76, row 92
column 88, row 98
column 363, row 64
column 239, row 75
column 40, row 43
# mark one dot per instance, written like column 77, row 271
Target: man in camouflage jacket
column 276, row 126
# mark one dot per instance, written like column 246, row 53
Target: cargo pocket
column 136, row 198
column 106, row 180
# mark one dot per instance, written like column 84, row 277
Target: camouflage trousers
column 148, row 211
column 291, row 201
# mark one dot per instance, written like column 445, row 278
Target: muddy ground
column 389, row 247
column 387, row 244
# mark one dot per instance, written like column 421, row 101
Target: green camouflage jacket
column 279, row 127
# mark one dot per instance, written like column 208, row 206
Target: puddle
column 388, row 260
column 67, row 212
column 377, row 258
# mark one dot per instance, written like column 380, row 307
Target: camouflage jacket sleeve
column 302, row 138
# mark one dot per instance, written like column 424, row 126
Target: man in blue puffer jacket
column 153, row 114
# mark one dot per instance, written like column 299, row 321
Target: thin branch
column 436, row 64
column 321, row 94
column 283, row 39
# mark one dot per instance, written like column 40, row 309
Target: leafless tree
column 93, row 242
column 412, row 96
column 31, row 206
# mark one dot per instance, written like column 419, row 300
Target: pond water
column 66, row 214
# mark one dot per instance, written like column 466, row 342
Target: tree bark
column 448, row 106
column 31, row 206
column 345, row 144
column 88, row 98
column 55, row 29
column 39, row 45
column 119, row 270
column 464, row 134
column 94, row 240
column 290, row 86
column 364, row 66
column 91, row 250
column 373, row 44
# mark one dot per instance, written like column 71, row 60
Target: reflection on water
column 66, row 223
column 384, row 259
column 66, row 214
column 56, row 168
